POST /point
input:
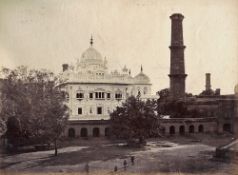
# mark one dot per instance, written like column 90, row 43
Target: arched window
column 100, row 93
column 79, row 94
column 71, row 132
column 191, row 129
column 96, row 132
column 172, row 130
column 182, row 130
column 200, row 128
column 118, row 95
column 84, row 132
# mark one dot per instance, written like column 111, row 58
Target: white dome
column 141, row 78
column 91, row 54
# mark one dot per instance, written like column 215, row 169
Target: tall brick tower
column 177, row 69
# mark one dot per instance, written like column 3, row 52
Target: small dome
column 91, row 54
column 141, row 78
column 236, row 89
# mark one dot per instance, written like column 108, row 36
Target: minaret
column 91, row 41
column 177, row 69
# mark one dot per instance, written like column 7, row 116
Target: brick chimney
column 208, row 82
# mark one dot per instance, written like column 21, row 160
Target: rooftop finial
column 91, row 40
column 141, row 69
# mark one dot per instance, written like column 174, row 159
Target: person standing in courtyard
column 115, row 169
column 125, row 165
column 132, row 160
column 87, row 168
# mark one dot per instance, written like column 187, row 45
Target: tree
column 164, row 102
column 135, row 119
column 168, row 106
column 33, row 98
column 163, row 93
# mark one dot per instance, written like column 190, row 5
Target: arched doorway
column 71, row 132
column 200, row 128
column 84, row 132
column 191, row 129
column 181, row 130
column 96, row 132
column 172, row 130
column 227, row 127
column 107, row 132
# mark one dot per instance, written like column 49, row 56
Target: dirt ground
column 175, row 155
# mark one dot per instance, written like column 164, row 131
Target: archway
column 181, row 130
column 191, row 129
column 107, row 132
column 84, row 132
column 172, row 130
column 71, row 132
column 227, row 127
column 96, row 132
column 200, row 128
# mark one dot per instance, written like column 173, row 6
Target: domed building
column 94, row 92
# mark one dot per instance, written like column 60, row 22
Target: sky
column 49, row 33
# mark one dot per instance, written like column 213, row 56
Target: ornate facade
column 94, row 92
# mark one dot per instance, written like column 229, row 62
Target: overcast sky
column 48, row 33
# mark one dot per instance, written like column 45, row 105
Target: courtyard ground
column 174, row 155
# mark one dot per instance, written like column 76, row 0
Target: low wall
column 178, row 126
column 188, row 125
column 95, row 128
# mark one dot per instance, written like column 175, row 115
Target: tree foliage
column 135, row 119
column 32, row 99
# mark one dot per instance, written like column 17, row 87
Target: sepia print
column 119, row 87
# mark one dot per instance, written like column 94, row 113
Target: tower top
column 176, row 16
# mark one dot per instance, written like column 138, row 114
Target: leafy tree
column 163, row 93
column 135, row 119
column 33, row 98
column 172, row 107
column 3, row 127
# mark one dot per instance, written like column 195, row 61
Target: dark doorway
column 71, row 132
column 191, row 129
column 200, row 128
column 96, row 132
column 84, row 132
column 172, row 130
column 181, row 130
column 107, row 132
column 227, row 127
